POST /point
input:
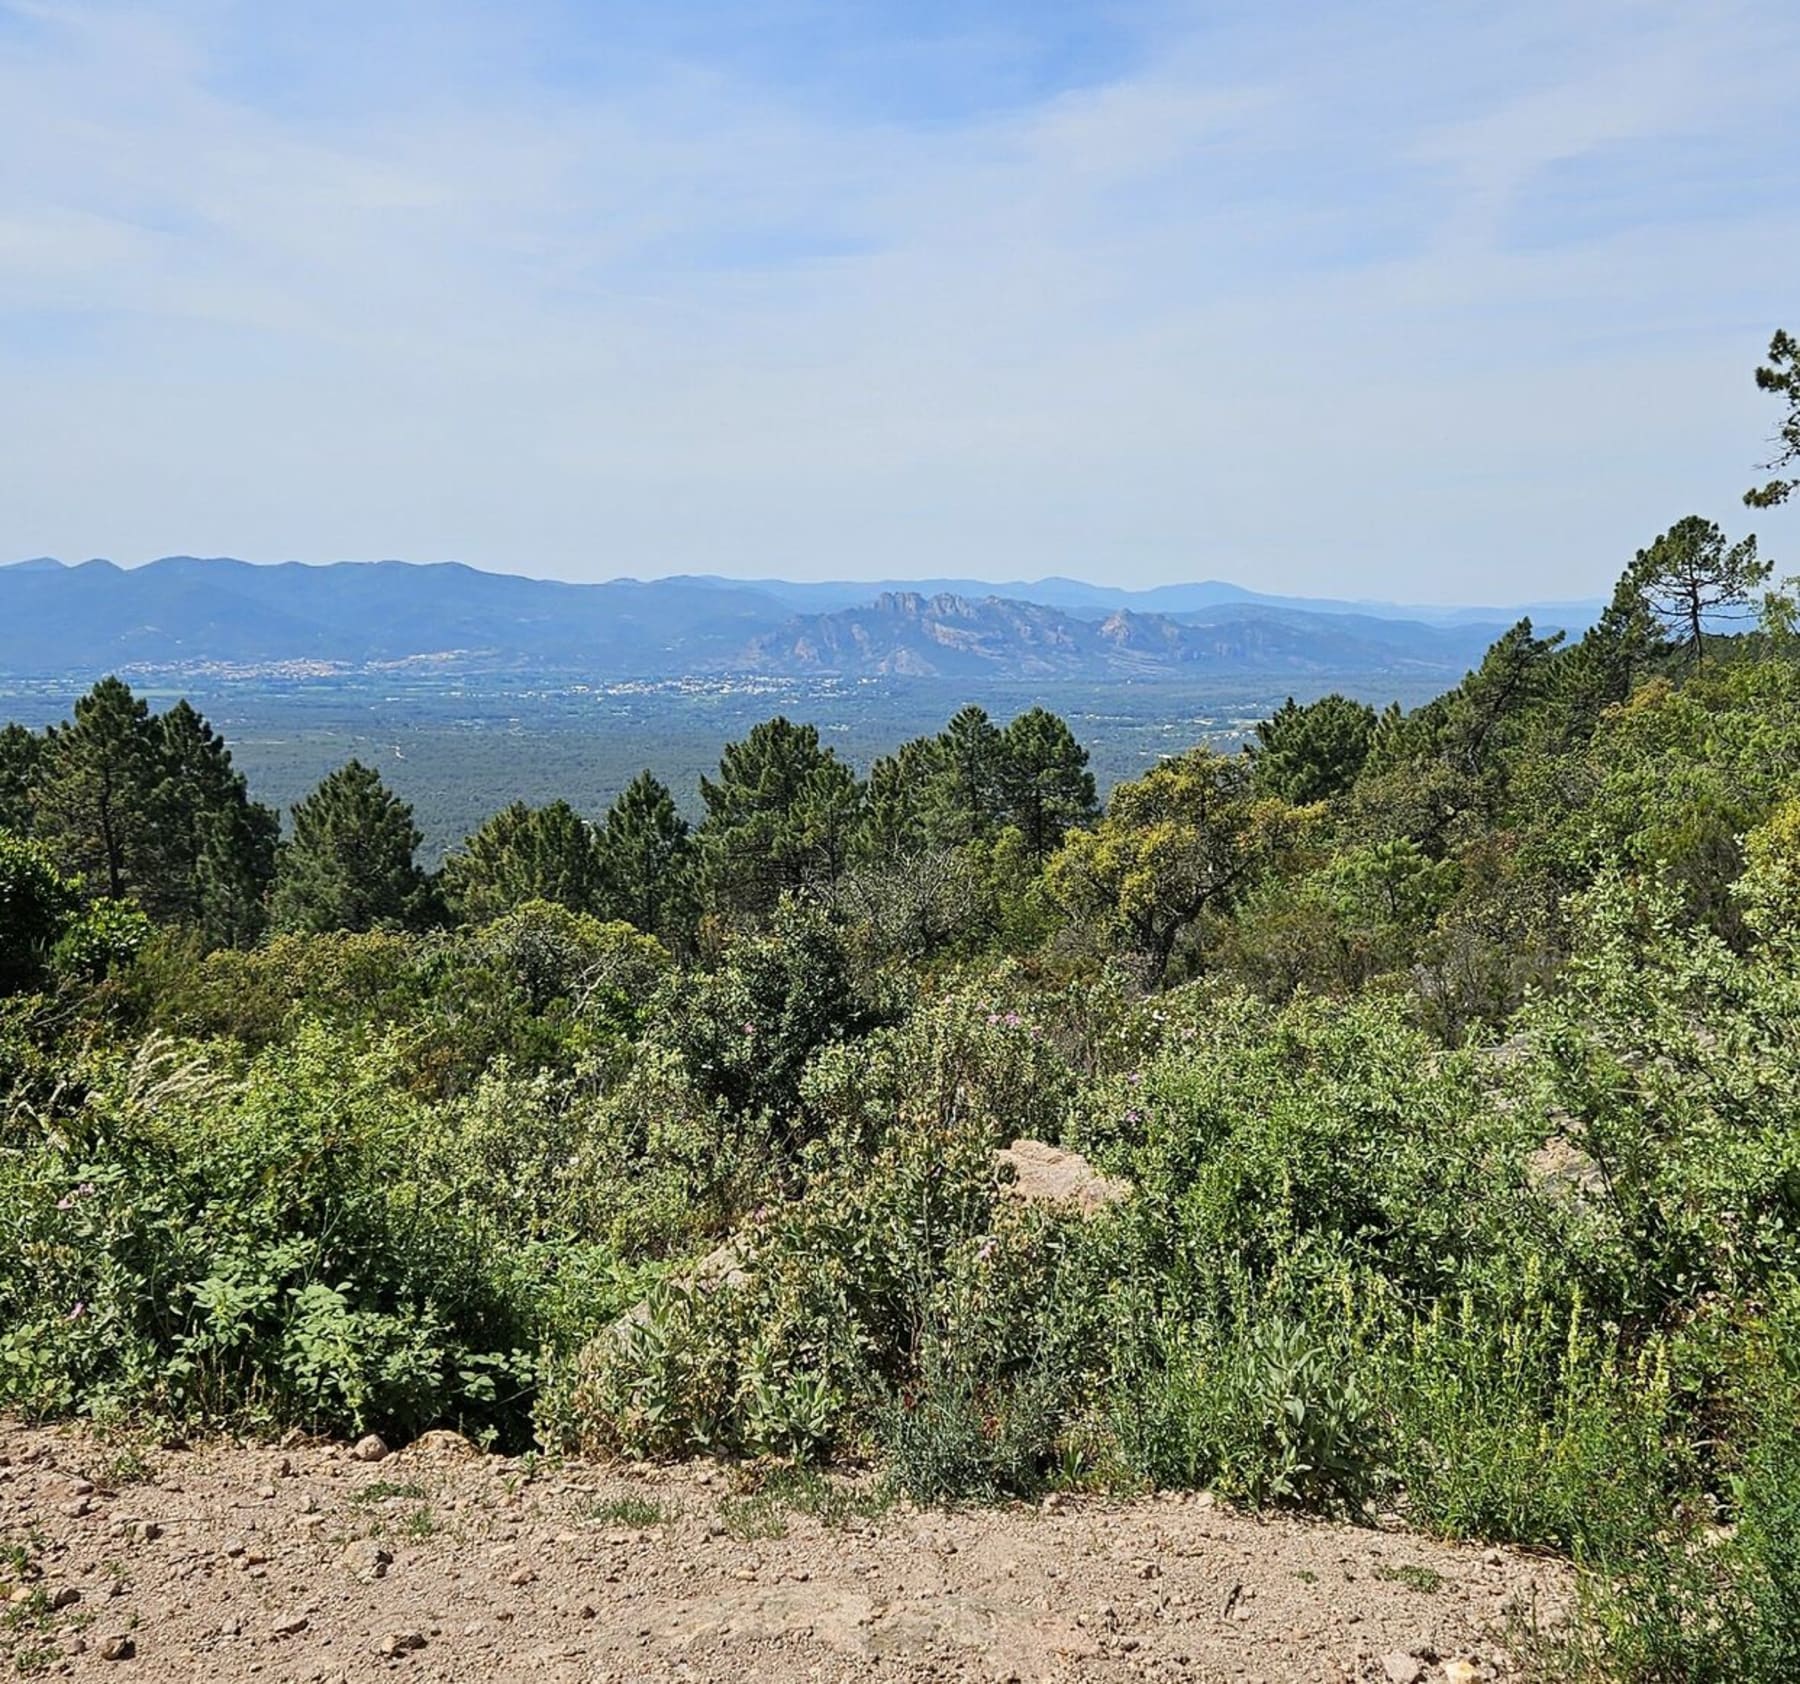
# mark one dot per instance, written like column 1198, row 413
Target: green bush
column 36, row 904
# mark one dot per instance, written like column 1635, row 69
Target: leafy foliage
column 1444, row 1064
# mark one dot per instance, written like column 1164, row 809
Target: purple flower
column 987, row 1249
column 66, row 1202
column 79, row 1311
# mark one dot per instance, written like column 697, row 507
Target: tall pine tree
column 525, row 853
column 780, row 817
column 1045, row 783
column 350, row 864
column 96, row 791
column 212, row 849
column 647, row 859
column 965, row 799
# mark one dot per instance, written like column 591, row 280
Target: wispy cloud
column 1406, row 298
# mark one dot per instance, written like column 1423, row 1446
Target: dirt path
column 437, row 1563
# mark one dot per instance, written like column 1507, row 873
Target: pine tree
column 1311, row 752
column 96, row 792
column 893, row 821
column 779, row 818
column 1691, row 575
column 1781, row 375
column 212, row 849
column 1619, row 650
column 21, row 760
column 646, row 859
column 1045, row 783
column 965, row 799
column 524, row 853
column 350, row 863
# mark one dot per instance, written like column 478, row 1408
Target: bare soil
column 236, row 1562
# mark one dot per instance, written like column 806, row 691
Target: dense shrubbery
column 1453, row 1061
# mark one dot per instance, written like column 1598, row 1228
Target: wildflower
column 66, row 1202
column 79, row 1310
column 987, row 1249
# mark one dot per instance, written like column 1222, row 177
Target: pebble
column 118, row 1647
column 400, row 1643
column 370, row 1448
column 290, row 1626
column 367, row 1559
column 1402, row 1668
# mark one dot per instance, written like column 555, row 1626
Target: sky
column 1433, row 300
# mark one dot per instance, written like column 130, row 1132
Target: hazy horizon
column 1394, row 302
column 749, row 580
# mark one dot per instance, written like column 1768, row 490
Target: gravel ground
column 231, row 1561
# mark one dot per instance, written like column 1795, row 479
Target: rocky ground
column 308, row 1562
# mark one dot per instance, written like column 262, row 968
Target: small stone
column 146, row 1531
column 370, row 1448
column 118, row 1647
column 290, row 1625
column 81, row 1488
column 400, row 1643
column 1402, row 1668
column 66, row 1597
column 1461, row 1672
column 266, row 1493
column 367, row 1560
column 78, row 1508
column 586, row 1611
column 521, row 1576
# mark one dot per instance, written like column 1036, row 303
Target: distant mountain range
column 185, row 612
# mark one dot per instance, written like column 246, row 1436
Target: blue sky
column 1442, row 301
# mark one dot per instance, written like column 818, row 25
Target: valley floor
column 231, row 1561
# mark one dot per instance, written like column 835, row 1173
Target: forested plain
column 1451, row 1056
